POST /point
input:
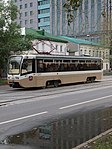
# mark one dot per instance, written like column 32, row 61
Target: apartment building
column 28, row 13
column 34, row 14
column 90, row 22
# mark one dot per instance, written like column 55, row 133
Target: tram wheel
column 47, row 84
column 56, row 83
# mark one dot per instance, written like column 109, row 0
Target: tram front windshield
column 14, row 64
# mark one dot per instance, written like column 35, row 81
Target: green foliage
column 10, row 38
column 105, row 142
column 3, row 81
column 70, row 7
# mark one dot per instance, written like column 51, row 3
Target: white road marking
column 81, row 103
column 24, row 117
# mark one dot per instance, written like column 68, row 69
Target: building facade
column 92, row 21
column 28, row 13
column 34, row 14
column 44, row 15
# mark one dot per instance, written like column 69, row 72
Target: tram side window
column 93, row 65
column 100, row 65
column 28, row 66
column 81, row 65
column 48, row 66
column 66, row 65
column 40, row 66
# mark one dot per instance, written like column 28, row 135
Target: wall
column 97, row 52
column 49, row 46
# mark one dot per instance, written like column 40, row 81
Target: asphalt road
column 20, row 108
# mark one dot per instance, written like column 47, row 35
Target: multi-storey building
column 34, row 14
column 44, row 15
column 92, row 21
column 28, row 13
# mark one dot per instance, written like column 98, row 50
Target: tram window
column 61, row 67
column 88, row 64
column 66, row 61
column 81, row 61
column 40, row 66
column 57, row 61
column 48, row 60
column 74, row 61
column 100, row 65
column 28, row 66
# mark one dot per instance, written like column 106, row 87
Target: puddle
column 64, row 133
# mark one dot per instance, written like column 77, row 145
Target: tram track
column 69, row 86
column 52, row 91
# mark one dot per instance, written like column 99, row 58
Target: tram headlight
column 8, row 78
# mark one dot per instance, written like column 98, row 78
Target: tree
column 71, row 6
column 11, row 39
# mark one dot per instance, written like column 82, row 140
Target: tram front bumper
column 14, row 84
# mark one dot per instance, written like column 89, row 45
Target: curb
column 84, row 145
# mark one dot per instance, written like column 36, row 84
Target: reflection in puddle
column 65, row 133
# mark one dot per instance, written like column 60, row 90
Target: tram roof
column 66, row 57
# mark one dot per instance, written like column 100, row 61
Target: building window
column 93, row 53
column 20, row 15
column 44, row 11
column 26, row 21
column 42, row 46
column 26, row 14
column 20, row 6
column 56, row 47
column 31, row 4
column 97, row 53
column 89, row 52
column 47, row 28
column 38, row 20
column 61, row 48
column 44, row 2
column 25, row 5
column 31, row 21
column 44, row 19
column 81, row 52
column 38, row 11
column 31, row 13
column 20, row 22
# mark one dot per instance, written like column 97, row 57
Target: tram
column 42, row 70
